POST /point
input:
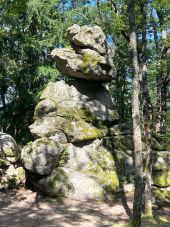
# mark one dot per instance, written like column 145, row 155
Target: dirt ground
column 25, row 208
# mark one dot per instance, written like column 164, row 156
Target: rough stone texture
column 90, row 58
column 41, row 156
column 88, row 172
column 9, row 151
column 13, row 177
column 55, row 184
column 11, row 174
column 78, row 110
column 88, row 37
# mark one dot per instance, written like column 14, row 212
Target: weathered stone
column 91, row 100
column 55, row 184
column 96, row 161
column 90, row 58
column 47, row 126
column 89, row 37
column 89, row 65
column 161, row 168
column 9, row 151
column 80, row 131
column 81, row 111
column 13, row 177
column 41, row 156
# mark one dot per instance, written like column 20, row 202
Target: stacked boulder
column 73, row 120
column 12, row 174
column 80, row 147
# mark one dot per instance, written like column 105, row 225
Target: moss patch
column 78, row 131
column 89, row 61
column 161, row 178
column 102, row 167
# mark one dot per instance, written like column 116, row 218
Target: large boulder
column 41, row 156
column 9, row 150
column 89, row 58
column 86, row 171
column 78, row 111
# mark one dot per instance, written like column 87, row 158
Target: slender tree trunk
column 162, row 77
column 137, row 135
column 147, row 118
column 147, row 115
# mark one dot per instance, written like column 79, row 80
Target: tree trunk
column 137, row 135
column 162, row 77
column 147, row 114
column 147, row 117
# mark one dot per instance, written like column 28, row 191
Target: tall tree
column 146, row 105
column 137, row 134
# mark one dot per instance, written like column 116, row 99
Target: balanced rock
column 89, row 58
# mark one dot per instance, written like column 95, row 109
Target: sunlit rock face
column 89, row 57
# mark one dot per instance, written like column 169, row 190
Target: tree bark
column 137, row 135
column 147, row 115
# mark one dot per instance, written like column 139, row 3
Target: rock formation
column 80, row 146
column 12, row 174
column 90, row 57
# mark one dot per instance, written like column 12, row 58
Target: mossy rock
column 13, row 178
column 48, row 126
column 102, row 167
column 90, row 61
column 55, row 184
column 122, row 143
column 121, row 129
column 78, row 131
column 161, row 178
